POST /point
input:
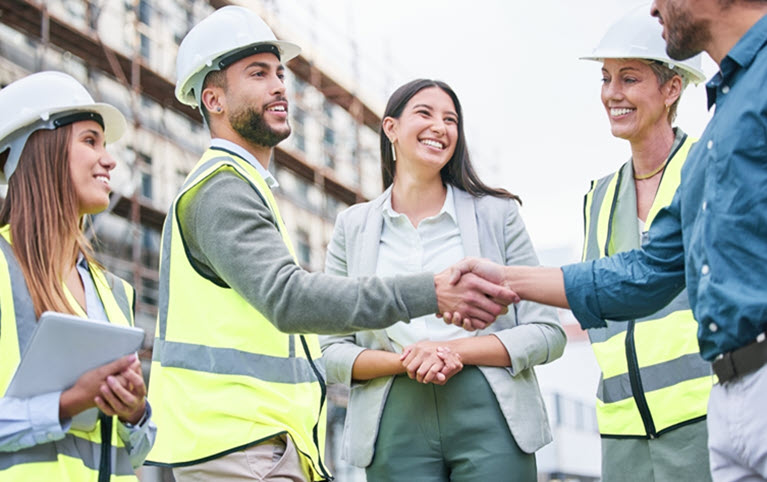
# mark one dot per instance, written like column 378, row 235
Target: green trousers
column 676, row 456
column 454, row 432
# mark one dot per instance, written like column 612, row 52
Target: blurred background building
column 124, row 52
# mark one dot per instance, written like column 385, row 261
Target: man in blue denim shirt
column 712, row 238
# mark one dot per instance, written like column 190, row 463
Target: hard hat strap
column 247, row 52
column 77, row 117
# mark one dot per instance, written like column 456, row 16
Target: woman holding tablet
column 53, row 157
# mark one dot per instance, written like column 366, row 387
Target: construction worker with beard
column 237, row 390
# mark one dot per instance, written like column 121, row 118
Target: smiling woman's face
column 634, row 100
column 427, row 131
column 89, row 167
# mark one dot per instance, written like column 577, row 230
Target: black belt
column 731, row 365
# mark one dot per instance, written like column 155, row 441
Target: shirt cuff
column 142, row 421
column 581, row 293
column 44, row 417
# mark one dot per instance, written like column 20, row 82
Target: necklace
column 652, row 173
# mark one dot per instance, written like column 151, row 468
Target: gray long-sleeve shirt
column 231, row 236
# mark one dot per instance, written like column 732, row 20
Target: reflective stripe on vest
column 223, row 377
column 646, row 387
column 78, row 455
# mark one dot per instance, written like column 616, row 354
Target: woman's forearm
column 486, row 350
column 376, row 363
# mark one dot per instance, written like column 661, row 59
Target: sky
column 534, row 121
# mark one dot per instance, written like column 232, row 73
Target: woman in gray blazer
column 470, row 407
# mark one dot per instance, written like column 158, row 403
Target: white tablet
column 63, row 347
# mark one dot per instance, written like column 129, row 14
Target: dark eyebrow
column 263, row 65
column 426, row 106
column 92, row 132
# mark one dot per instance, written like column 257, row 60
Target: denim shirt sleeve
column 25, row 422
column 630, row 284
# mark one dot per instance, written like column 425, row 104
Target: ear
column 389, row 125
column 214, row 99
column 672, row 90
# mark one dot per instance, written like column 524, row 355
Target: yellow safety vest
column 76, row 457
column 223, row 377
column 653, row 378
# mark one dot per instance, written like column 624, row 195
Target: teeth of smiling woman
column 431, row 143
column 103, row 179
column 617, row 112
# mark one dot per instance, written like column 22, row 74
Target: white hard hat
column 639, row 36
column 223, row 37
column 48, row 100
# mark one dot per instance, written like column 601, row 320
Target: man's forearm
column 537, row 283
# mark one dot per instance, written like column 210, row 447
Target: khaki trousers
column 274, row 460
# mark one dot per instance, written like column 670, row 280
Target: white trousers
column 737, row 429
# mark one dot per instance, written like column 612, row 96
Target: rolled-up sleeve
column 630, row 284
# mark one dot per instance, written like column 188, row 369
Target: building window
column 299, row 124
column 303, row 248
column 150, row 290
column 144, row 165
column 144, row 16
column 329, row 143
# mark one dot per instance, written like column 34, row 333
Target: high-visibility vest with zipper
column 223, row 376
column 653, row 378
column 78, row 456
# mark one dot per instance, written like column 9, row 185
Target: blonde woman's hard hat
column 639, row 36
column 48, row 100
column 229, row 34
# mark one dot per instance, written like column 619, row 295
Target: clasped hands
column 472, row 293
column 431, row 362
column 116, row 388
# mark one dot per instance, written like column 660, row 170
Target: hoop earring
column 393, row 153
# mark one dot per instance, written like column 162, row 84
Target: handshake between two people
column 474, row 292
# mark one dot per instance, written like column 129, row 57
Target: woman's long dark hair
column 458, row 171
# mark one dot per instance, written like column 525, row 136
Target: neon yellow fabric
column 66, row 467
column 222, row 404
column 685, row 394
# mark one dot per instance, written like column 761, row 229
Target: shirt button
column 705, row 204
column 704, row 269
column 712, row 327
column 725, row 89
column 710, row 144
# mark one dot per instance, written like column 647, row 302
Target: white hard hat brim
column 694, row 75
column 114, row 128
column 114, row 121
column 115, row 124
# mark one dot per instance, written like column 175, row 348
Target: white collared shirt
column 433, row 246
column 240, row 151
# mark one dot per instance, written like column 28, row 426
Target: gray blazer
column 490, row 228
